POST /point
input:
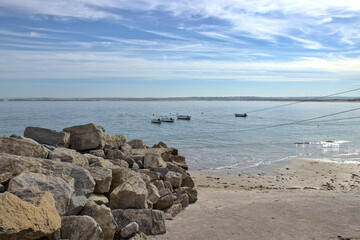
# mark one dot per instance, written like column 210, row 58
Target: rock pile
column 84, row 184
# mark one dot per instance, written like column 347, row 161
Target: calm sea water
column 213, row 139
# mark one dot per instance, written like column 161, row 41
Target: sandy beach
column 302, row 199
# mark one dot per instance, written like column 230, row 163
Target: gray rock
column 86, row 137
column 114, row 140
column 60, row 190
column 174, row 178
column 98, row 161
column 168, row 185
column 14, row 165
column 153, row 175
column 161, row 170
column 183, row 199
column 97, row 153
column 174, row 209
column 22, row 147
column 166, row 200
column 160, row 145
column 179, row 160
column 48, row 136
column 191, row 192
column 137, row 143
column 99, row 199
column 153, row 193
column 126, row 149
column 130, row 161
column 130, row 194
column 69, row 155
column 153, row 161
column 77, row 203
column 135, row 166
column 159, row 184
column 102, row 177
column 115, row 154
column 129, row 230
column 80, row 228
column 121, row 175
column 151, row 222
column 2, row 188
column 103, row 216
column 187, row 181
column 139, row 236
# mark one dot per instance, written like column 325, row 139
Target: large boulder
column 115, row 154
column 174, row 178
column 22, row 147
column 130, row 194
column 80, row 228
column 166, row 199
column 191, row 192
column 103, row 216
column 151, row 222
column 122, row 175
column 77, row 203
column 86, row 137
column 14, row 165
column 115, row 140
column 31, row 219
column 60, row 190
column 102, row 177
column 179, row 160
column 48, row 136
column 153, row 161
column 153, row 193
column 137, row 143
column 69, row 155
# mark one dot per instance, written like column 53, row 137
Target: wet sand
column 301, row 199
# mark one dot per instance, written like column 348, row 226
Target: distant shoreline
column 255, row 99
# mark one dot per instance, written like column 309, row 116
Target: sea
column 214, row 139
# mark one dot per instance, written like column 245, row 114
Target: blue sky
column 178, row 48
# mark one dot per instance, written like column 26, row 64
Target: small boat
column 156, row 120
column 167, row 119
column 183, row 117
column 240, row 115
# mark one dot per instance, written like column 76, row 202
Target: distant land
column 249, row 98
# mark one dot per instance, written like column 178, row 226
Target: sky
column 178, row 48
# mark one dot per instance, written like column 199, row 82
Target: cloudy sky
column 176, row 48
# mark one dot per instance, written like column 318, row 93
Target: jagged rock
column 22, row 147
column 84, row 183
column 2, row 188
column 139, row 236
column 166, row 199
column 160, row 145
column 115, row 140
column 48, row 136
column 126, row 149
column 135, row 166
column 69, row 155
column 102, row 177
column 86, row 137
column 98, row 199
column 103, row 216
column 95, row 161
column 129, row 230
column 179, row 160
column 183, row 199
column 153, row 193
column 121, row 175
column 31, row 219
column 153, row 175
column 174, row 178
column 80, row 228
column 129, row 194
column 168, row 185
column 119, row 163
column 186, row 181
column 130, row 161
column 153, row 161
column 115, row 154
column 174, row 151
column 161, row 170
column 191, row 192
column 137, row 143
column 159, row 184
column 174, row 209
column 151, row 222
column 77, row 203
column 97, row 153
column 60, row 190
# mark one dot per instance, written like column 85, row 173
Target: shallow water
column 213, row 138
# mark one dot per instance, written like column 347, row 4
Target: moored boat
column 167, row 119
column 183, row 117
column 240, row 115
column 156, row 120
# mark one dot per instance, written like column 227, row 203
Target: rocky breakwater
column 82, row 183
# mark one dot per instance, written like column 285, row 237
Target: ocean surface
column 213, row 139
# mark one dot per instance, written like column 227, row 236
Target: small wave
column 329, row 142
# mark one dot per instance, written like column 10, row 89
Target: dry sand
column 302, row 199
